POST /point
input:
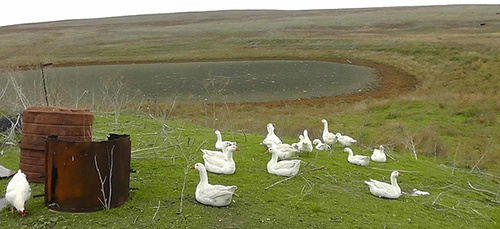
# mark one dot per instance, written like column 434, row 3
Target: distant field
column 440, row 70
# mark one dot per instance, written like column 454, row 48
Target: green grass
column 328, row 192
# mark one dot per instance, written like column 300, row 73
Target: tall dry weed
column 430, row 143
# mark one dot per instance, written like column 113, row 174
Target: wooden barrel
column 42, row 121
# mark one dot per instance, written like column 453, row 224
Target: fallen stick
column 318, row 168
column 329, row 175
column 480, row 159
column 390, row 157
column 482, row 190
column 319, row 178
column 455, row 161
column 157, row 209
column 486, row 191
column 434, row 202
column 451, row 185
column 186, row 171
column 139, row 150
column 479, row 193
column 487, row 174
column 281, row 181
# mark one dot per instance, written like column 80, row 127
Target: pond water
column 227, row 81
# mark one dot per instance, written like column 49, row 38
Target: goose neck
column 349, row 151
column 203, row 176
column 274, row 160
column 274, row 157
column 394, row 181
column 229, row 155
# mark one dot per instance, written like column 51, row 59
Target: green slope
column 328, row 192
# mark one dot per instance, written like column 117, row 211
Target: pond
column 227, row 81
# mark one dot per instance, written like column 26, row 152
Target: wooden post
column 43, row 80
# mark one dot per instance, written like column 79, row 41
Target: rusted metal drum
column 42, row 121
column 87, row 176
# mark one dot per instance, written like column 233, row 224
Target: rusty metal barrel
column 87, row 176
column 42, row 121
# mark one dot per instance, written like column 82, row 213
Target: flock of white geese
column 221, row 162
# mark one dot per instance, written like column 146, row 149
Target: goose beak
column 267, row 151
column 399, row 174
column 192, row 167
column 23, row 213
column 237, row 149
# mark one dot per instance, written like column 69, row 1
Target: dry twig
column 485, row 191
column 434, row 202
column 281, row 181
column 106, row 201
column 139, row 150
column 103, row 201
column 157, row 209
column 480, row 159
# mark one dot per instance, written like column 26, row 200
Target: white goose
column 328, row 138
column 378, row 155
column 345, row 140
column 271, row 136
column 298, row 145
column 320, row 145
column 219, row 143
column 305, row 145
column 215, row 153
column 284, row 151
column 18, row 192
column 385, row 190
column 357, row 159
column 222, row 165
column 212, row 195
column 286, row 168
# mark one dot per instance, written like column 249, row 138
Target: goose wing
column 213, row 153
column 286, row 164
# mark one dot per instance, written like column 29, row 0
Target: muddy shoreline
column 393, row 80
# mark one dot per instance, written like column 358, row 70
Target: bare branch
column 104, row 200
column 281, row 181
column 145, row 149
column 110, row 176
column 186, row 171
column 157, row 209
column 480, row 159
column 486, row 191
column 434, row 202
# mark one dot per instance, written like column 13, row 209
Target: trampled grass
column 328, row 192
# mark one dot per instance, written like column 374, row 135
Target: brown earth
column 393, row 81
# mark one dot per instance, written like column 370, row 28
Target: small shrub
column 430, row 143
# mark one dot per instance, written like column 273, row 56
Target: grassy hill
column 440, row 70
column 328, row 192
column 441, row 63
